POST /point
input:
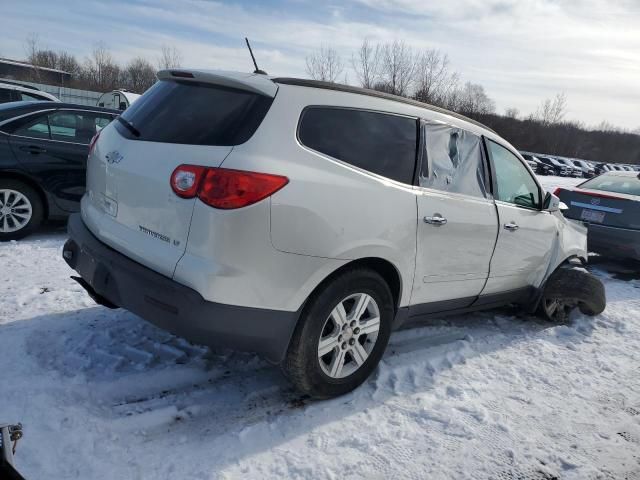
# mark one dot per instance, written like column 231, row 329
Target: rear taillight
column 223, row 188
column 557, row 191
column 93, row 141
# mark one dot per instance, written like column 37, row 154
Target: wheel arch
column 387, row 270
column 26, row 179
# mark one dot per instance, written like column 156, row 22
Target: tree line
column 426, row 75
column 393, row 67
column 100, row 71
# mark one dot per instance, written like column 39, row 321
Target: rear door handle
column 437, row 219
column 511, row 226
column 33, row 149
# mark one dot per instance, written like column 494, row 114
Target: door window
column 514, row 182
column 377, row 142
column 76, row 127
column 5, row 95
column 37, row 128
column 453, row 160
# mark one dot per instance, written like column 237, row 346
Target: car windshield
column 629, row 185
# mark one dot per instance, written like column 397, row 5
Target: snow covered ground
column 103, row 394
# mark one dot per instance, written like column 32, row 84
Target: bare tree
column 433, row 78
column 68, row 63
column 365, row 63
column 324, row 64
column 170, row 57
column 473, row 100
column 552, row 110
column 512, row 112
column 397, row 68
column 100, row 71
column 139, row 75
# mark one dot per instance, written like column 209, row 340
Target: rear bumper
column 614, row 242
column 107, row 274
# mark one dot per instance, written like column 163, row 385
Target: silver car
column 305, row 221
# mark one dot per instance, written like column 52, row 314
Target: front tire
column 341, row 336
column 21, row 210
column 567, row 289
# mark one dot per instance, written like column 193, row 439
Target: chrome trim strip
column 596, row 207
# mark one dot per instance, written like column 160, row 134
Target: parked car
column 587, row 170
column 610, row 203
column 117, row 99
column 574, row 171
column 43, row 154
column 536, row 165
column 601, row 168
column 294, row 225
column 17, row 92
column 559, row 168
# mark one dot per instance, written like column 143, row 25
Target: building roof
column 17, row 63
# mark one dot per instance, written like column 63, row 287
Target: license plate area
column 592, row 216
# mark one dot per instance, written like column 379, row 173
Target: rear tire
column 567, row 289
column 341, row 336
column 21, row 210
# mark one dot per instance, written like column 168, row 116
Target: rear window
column 195, row 114
column 379, row 143
column 613, row 183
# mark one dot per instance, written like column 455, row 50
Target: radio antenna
column 257, row 70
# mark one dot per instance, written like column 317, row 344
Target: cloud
column 521, row 51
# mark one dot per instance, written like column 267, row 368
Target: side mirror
column 551, row 203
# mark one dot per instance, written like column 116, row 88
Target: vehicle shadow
column 141, row 381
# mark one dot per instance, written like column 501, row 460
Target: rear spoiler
column 250, row 82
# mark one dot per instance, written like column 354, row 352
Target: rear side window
column 614, row 183
column 380, row 143
column 453, row 161
column 194, row 113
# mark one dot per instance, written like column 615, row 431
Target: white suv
column 305, row 221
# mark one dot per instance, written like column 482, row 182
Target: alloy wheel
column 349, row 335
column 15, row 211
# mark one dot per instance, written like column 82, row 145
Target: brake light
column 227, row 189
column 557, row 191
column 224, row 188
column 93, row 141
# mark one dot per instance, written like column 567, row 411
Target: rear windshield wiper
column 129, row 126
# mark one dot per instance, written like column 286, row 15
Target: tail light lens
column 557, row 191
column 93, row 141
column 224, row 188
column 186, row 179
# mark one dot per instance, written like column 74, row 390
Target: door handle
column 437, row 220
column 512, row 227
column 33, row 149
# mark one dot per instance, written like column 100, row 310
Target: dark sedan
column 43, row 155
column 610, row 204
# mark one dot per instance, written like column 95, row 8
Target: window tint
column 76, row 127
column 614, row 183
column 515, row 184
column 194, row 113
column 34, row 128
column 453, row 162
column 377, row 142
column 29, row 97
column 5, row 95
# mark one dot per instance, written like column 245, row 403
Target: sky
column 521, row 51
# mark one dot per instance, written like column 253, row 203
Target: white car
column 17, row 92
column 305, row 221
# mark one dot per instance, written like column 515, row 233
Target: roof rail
column 301, row 82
